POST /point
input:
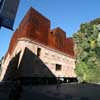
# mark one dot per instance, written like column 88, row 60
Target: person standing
column 58, row 82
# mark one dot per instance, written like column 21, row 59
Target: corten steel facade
column 50, row 46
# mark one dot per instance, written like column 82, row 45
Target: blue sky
column 67, row 14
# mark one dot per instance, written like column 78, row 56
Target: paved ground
column 51, row 92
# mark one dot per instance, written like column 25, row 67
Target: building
column 53, row 52
column 8, row 10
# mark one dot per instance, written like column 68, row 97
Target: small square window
column 58, row 67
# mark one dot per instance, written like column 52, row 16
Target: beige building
column 42, row 52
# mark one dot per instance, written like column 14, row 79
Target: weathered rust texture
column 36, row 27
column 33, row 26
column 56, row 39
column 69, row 46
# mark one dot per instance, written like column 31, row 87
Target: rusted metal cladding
column 69, row 47
column 57, row 38
column 13, row 42
column 35, row 26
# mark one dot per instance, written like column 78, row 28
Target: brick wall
column 50, row 58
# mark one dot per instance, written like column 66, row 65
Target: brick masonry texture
column 49, row 56
column 34, row 32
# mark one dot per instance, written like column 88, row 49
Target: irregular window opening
column 38, row 52
column 58, row 67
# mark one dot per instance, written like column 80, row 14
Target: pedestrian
column 58, row 82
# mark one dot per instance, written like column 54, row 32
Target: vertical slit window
column 38, row 52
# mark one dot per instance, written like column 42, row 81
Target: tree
column 95, row 22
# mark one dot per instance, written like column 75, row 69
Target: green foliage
column 87, row 48
column 95, row 22
column 82, row 72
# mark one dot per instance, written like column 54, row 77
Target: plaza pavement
column 51, row 92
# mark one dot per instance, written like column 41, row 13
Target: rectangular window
column 38, row 52
column 58, row 67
